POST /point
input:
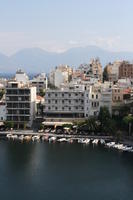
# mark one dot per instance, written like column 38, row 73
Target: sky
column 58, row 25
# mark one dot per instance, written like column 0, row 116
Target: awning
column 55, row 123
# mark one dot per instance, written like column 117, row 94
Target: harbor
column 51, row 137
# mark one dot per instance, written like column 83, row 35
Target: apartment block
column 40, row 82
column 20, row 103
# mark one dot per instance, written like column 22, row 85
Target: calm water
column 64, row 171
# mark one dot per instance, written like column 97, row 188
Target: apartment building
column 125, row 70
column 40, row 82
column 21, row 76
column 20, row 104
column 64, row 103
column 60, row 75
column 113, row 71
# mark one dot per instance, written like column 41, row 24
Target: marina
column 59, row 138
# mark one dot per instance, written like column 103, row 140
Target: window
column 86, row 95
column 56, row 101
column 92, row 96
column 96, row 96
column 62, row 94
column 48, row 95
column 69, row 108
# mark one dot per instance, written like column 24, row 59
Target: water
column 45, row 171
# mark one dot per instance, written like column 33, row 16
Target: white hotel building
column 76, row 102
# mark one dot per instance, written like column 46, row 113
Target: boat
column 62, row 140
column 110, row 144
column 9, row 135
column 21, row 137
column 95, row 141
column 126, row 148
column 35, row 138
column 27, row 137
column 102, row 141
column 87, row 141
column 70, row 140
column 45, row 137
column 81, row 140
column 118, row 146
column 14, row 137
column 52, row 139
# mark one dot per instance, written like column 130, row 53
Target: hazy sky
column 57, row 25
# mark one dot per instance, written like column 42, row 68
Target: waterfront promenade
column 32, row 133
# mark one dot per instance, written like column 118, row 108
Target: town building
column 40, row 82
column 20, row 103
column 21, row 76
column 126, row 70
column 113, row 71
column 64, row 103
column 60, row 75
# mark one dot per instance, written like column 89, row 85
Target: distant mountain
column 37, row 60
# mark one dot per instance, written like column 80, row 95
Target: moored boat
column 27, row 137
column 95, row 141
column 35, row 138
column 9, row 135
column 62, row 140
column 52, row 139
column 110, row 144
column 102, row 141
column 21, row 137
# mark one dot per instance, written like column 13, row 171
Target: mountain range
column 35, row 60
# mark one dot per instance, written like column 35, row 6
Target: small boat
column 21, row 137
column 70, row 140
column 102, row 141
column 14, row 137
column 87, row 141
column 27, row 137
column 9, row 135
column 35, row 138
column 81, row 140
column 95, row 141
column 52, row 139
column 110, row 144
column 62, row 140
column 45, row 137
column 126, row 148
column 118, row 146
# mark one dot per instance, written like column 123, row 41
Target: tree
column 92, row 124
column 128, row 120
column 104, row 117
column 42, row 93
column 9, row 124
